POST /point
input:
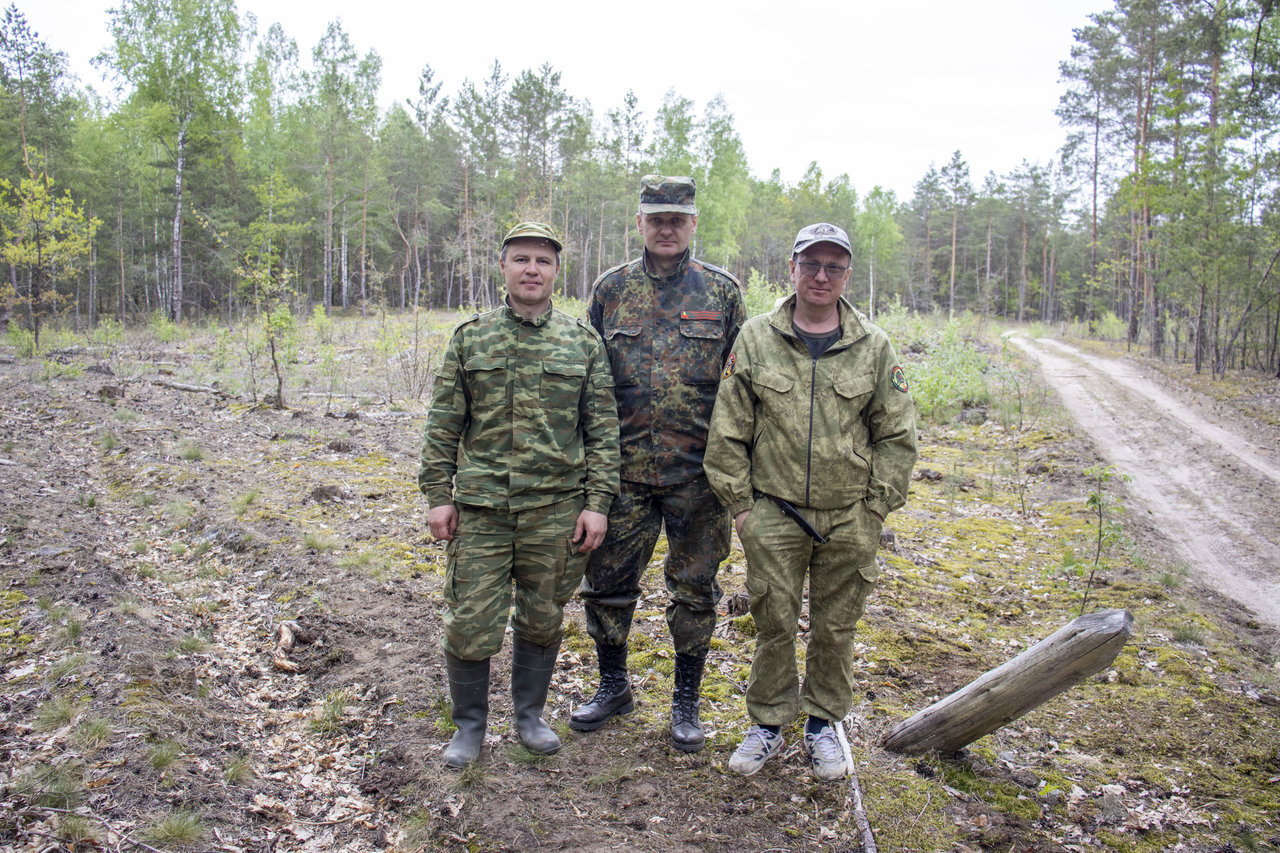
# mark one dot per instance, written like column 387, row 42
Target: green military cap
column 533, row 231
column 660, row 194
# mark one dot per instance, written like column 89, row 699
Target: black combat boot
column 614, row 695
column 469, row 695
column 531, row 668
column 686, row 730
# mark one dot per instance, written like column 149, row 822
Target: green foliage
column 571, row 305
column 1109, row 327
column 951, row 376
column 761, row 294
column 44, row 236
column 322, row 324
column 1105, row 508
column 109, row 333
column 60, row 787
column 164, row 329
column 22, row 340
column 223, row 345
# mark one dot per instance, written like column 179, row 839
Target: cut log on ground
column 194, row 389
column 1082, row 648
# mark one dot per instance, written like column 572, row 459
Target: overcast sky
column 876, row 90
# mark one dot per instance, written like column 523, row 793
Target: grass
column 92, row 734
column 1189, row 634
column 163, row 755
column 56, row 786
column 330, row 717
column 190, row 451
column 179, row 827
column 319, row 542
column 59, row 711
column 238, row 770
column 240, row 505
column 77, row 832
column 66, row 666
column 193, row 645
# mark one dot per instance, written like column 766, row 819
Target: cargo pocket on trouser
column 774, row 690
column 477, row 595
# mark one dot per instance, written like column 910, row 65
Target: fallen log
column 194, row 389
column 1082, row 648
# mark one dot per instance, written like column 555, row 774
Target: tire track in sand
column 1213, row 493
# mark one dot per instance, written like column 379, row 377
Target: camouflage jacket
column 667, row 340
column 522, row 415
column 822, row 433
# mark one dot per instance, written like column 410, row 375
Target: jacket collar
column 541, row 320
column 679, row 270
column 852, row 323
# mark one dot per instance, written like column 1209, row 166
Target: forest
column 236, row 173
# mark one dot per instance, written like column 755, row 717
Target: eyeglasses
column 810, row 269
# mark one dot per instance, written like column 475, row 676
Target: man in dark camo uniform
column 519, row 460
column 668, row 321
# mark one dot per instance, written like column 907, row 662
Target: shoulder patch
column 898, row 378
column 729, row 364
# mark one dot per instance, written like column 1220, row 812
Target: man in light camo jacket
column 520, row 468
column 812, row 443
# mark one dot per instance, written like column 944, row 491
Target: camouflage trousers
column 495, row 550
column 698, row 541
column 841, row 574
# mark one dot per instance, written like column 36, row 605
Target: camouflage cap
column 821, row 232
column 533, row 231
column 660, row 194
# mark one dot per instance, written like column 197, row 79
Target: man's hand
column 739, row 520
column 590, row 528
column 443, row 521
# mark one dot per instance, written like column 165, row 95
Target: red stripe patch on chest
column 702, row 315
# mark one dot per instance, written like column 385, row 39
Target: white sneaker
column 757, row 747
column 826, row 754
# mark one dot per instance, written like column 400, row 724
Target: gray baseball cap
column 821, row 232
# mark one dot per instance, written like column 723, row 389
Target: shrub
column 952, row 375
column 762, row 294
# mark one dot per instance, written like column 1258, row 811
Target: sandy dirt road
column 1209, row 488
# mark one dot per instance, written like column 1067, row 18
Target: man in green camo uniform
column 812, row 418
column 520, row 467
column 668, row 321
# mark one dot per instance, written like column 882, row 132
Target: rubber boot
column 614, row 695
column 686, row 730
column 469, row 696
column 531, row 669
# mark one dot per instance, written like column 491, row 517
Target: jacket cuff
column 738, row 507
column 438, row 496
column 599, row 502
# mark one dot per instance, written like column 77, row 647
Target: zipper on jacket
column 808, row 462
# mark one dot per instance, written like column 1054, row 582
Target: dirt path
column 1212, row 491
